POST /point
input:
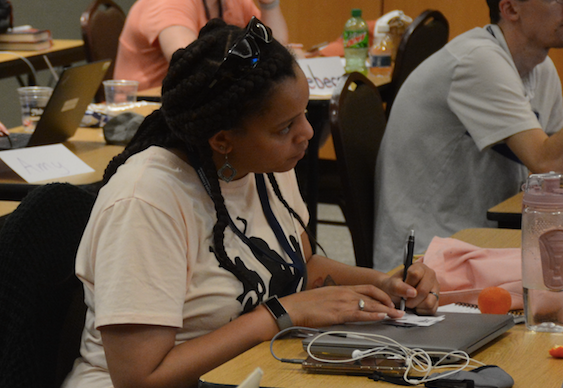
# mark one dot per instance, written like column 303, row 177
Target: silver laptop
column 458, row 331
column 66, row 107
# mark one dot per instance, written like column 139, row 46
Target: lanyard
column 297, row 263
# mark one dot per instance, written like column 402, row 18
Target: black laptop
column 66, row 107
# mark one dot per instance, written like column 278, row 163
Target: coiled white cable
column 416, row 360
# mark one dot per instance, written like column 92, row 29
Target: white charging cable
column 416, row 360
column 28, row 63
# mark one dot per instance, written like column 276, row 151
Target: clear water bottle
column 380, row 53
column 356, row 43
column 542, row 252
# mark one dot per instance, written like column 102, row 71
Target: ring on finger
column 435, row 294
column 361, row 304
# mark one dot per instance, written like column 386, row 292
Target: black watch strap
column 275, row 308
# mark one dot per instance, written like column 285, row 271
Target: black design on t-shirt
column 283, row 276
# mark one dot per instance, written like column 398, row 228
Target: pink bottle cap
column 543, row 190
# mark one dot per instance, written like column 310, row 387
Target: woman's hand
column 420, row 288
column 339, row 304
column 3, row 130
column 268, row 3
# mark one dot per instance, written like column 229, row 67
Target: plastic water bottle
column 380, row 53
column 356, row 43
column 542, row 252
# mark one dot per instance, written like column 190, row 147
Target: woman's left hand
column 420, row 288
column 3, row 130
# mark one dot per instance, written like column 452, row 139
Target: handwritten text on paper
column 322, row 74
column 35, row 164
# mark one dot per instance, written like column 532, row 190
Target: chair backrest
column 357, row 121
column 101, row 26
column 428, row 33
column 42, row 304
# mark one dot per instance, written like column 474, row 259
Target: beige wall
column 312, row 22
column 461, row 14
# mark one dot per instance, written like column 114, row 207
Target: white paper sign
column 36, row 164
column 322, row 74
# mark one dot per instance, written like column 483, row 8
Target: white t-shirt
column 146, row 257
column 437, row 170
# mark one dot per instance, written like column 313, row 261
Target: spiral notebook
column 458, row 331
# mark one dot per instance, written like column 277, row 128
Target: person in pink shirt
column 155, row 29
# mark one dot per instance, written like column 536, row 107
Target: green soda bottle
column 356, row 43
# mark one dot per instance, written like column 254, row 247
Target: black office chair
column 358, row 122
column 42, row 306
column 101, row 26
column 428, row 33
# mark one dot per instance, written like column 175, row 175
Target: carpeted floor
column 335, row 239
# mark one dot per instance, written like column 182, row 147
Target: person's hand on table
column 332, row 305
column 420, row 288
column 268, row 3
column 300, row 53
column 3, row 130
column 297, row 50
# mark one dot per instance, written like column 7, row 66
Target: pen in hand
column 409, row 253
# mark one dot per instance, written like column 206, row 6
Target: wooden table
column 508, row 213
column 88, row 144
column 63, row 52
column 521, row 353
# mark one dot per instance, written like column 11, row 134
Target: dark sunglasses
column 244, row 54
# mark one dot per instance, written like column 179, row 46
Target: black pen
column 409, row 254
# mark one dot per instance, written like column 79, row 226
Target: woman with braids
column 196, row 249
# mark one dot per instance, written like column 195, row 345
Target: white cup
column 121, row 95
column 33, row 100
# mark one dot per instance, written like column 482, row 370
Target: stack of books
column 25, row 38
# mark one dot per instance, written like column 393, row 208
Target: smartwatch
column 275, row 308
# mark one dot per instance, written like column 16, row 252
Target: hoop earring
column 227, row 167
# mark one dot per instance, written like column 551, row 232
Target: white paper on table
column 322, row 74
column 40, row 163
column 418, row 320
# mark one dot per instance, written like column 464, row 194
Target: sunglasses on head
column 244, row 54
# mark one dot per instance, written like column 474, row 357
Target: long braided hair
column 189, row 117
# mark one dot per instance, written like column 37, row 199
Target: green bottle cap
column 356, row 13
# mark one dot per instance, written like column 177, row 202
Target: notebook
column 66, row 107
column 517, row 315
column 458, row 331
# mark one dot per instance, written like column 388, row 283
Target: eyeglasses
column 244, row 54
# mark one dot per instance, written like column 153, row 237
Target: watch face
column 275, row 307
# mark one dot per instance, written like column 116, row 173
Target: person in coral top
column 155, row 29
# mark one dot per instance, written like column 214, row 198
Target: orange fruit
column 556, row 351
column 494, row 300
